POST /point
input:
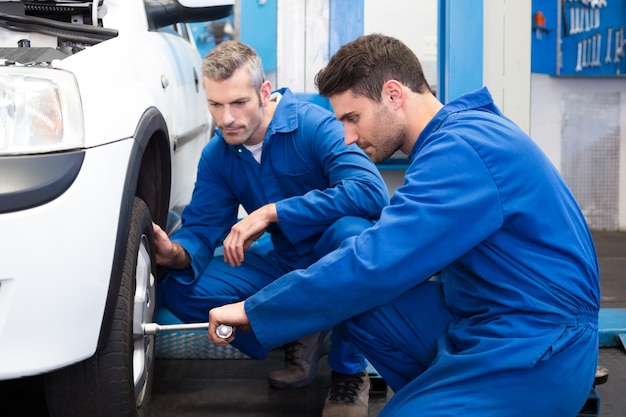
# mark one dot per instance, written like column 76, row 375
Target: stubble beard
column 239, row 138
column 389, row 136
column 243, row 135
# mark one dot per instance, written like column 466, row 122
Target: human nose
column 350, row 135
column 227, row 116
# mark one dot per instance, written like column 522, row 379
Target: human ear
column 393, row 92
column 266, row 92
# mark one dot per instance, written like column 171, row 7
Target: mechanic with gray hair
column 305, row 191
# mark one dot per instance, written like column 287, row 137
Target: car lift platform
column 612, row 327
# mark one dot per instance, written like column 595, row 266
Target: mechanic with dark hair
column 509, row 327
column 285, row 162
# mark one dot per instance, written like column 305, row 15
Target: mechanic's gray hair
column 227, row 57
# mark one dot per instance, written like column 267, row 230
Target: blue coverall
column 324, row 190
column 509, row 328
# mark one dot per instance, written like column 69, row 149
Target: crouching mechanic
column 286, row 163
column 510, row 327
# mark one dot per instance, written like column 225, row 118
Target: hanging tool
column 223, row 331
column 607, row 60
column 619, row 44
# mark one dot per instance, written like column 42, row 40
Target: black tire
column 117, row 380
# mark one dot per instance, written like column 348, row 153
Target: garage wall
column 310, row 31
column 579, row 123
column 302, row 44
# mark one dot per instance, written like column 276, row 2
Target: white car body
column 65, row 212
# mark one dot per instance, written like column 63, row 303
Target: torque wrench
column 223, row 331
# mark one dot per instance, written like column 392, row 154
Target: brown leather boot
column 301, row 359
column 348, row 395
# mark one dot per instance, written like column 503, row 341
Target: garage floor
column 238, row 387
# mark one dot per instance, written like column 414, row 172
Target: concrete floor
column 238, row 387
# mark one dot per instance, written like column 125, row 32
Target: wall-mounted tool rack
column 579, row 37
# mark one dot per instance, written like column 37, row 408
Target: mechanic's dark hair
column 366, row 63
column 227, row 57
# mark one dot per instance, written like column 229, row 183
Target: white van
column 102, row 121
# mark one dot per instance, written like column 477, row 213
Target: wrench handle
column 222, row 330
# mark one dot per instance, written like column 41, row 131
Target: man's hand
column 168, row 253
column 233, row 315
column 246, row 231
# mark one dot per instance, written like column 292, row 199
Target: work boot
column 348, row 395
column 301, row 359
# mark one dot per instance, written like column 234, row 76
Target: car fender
column 149, row 129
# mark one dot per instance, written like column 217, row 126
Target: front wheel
column 117, row 380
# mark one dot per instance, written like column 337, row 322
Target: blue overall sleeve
column 416, row 236
column 354, row 184
column 211, row 213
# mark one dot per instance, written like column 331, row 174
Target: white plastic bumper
column 56, row 262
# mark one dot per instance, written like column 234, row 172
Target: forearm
column 246, row 231
column 269, row 213
column 308, row 215
column 178, row 258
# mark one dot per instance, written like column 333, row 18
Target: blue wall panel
column 460, row 47
column 346, row 22
column 258, row 29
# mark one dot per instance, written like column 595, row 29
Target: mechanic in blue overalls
column 286, row 163
column 508, row 326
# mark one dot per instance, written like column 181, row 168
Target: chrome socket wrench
column 222, row 330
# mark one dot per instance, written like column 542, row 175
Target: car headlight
column 40, row 111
